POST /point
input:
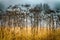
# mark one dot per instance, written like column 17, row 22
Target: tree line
column 40, row 15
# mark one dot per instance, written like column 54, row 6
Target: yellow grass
column 11, row 33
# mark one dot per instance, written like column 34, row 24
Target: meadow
column 17, row 33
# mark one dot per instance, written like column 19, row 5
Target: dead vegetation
column 11, row 33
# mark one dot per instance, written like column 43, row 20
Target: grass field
column 16, row 33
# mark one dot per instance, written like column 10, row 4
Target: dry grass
column 11, row 33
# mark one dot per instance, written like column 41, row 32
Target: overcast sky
column 29, row 1
column 12, row 2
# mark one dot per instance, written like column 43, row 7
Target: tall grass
column 16, row 33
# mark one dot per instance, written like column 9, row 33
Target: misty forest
column 29, row 22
